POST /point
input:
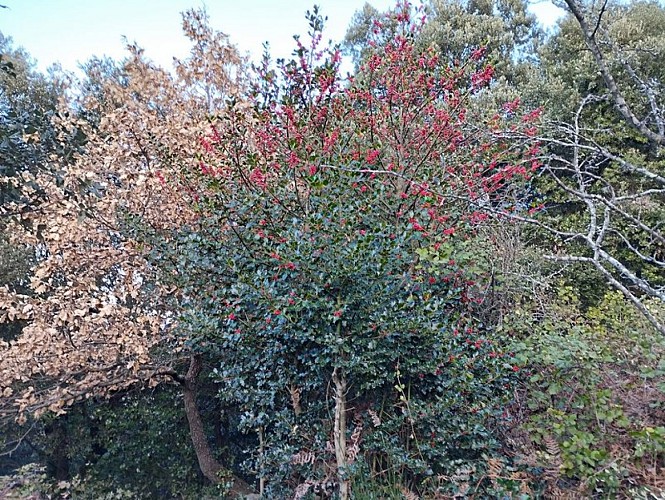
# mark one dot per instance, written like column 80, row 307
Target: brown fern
column 553, row 450
column 354, row 443
column 376, row 421
column 303, row 457
column 553, row 472
column 303, row 488
column 295, row 393
column 494, row 468
column 408, row 494
column 524, row 485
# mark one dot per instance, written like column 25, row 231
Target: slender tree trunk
column 220, row 425
column 59, row 441
column 339, row 433
column 262, row 479
column 210, row 467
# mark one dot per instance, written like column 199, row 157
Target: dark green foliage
column 28, row 101
column 135, row 445
column 596, row 398
column 294, row 274
column 143, row 446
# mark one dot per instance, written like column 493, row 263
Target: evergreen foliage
column 441, row 277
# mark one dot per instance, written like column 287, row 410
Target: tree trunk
column 58, row 461
column 210, row 467
column 339, row 434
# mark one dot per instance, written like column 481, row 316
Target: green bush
column 595, row 393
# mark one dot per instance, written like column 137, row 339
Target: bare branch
column 600, row 17
column 617, row 96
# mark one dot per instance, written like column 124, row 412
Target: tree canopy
column 440, row 276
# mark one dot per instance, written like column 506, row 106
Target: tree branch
column 617, row 96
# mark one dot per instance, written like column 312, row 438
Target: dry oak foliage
column 97, row 318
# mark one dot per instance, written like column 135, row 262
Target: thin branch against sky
column 72, row 31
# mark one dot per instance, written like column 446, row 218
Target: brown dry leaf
column 93, row 325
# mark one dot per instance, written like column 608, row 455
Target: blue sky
column 71, row 31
